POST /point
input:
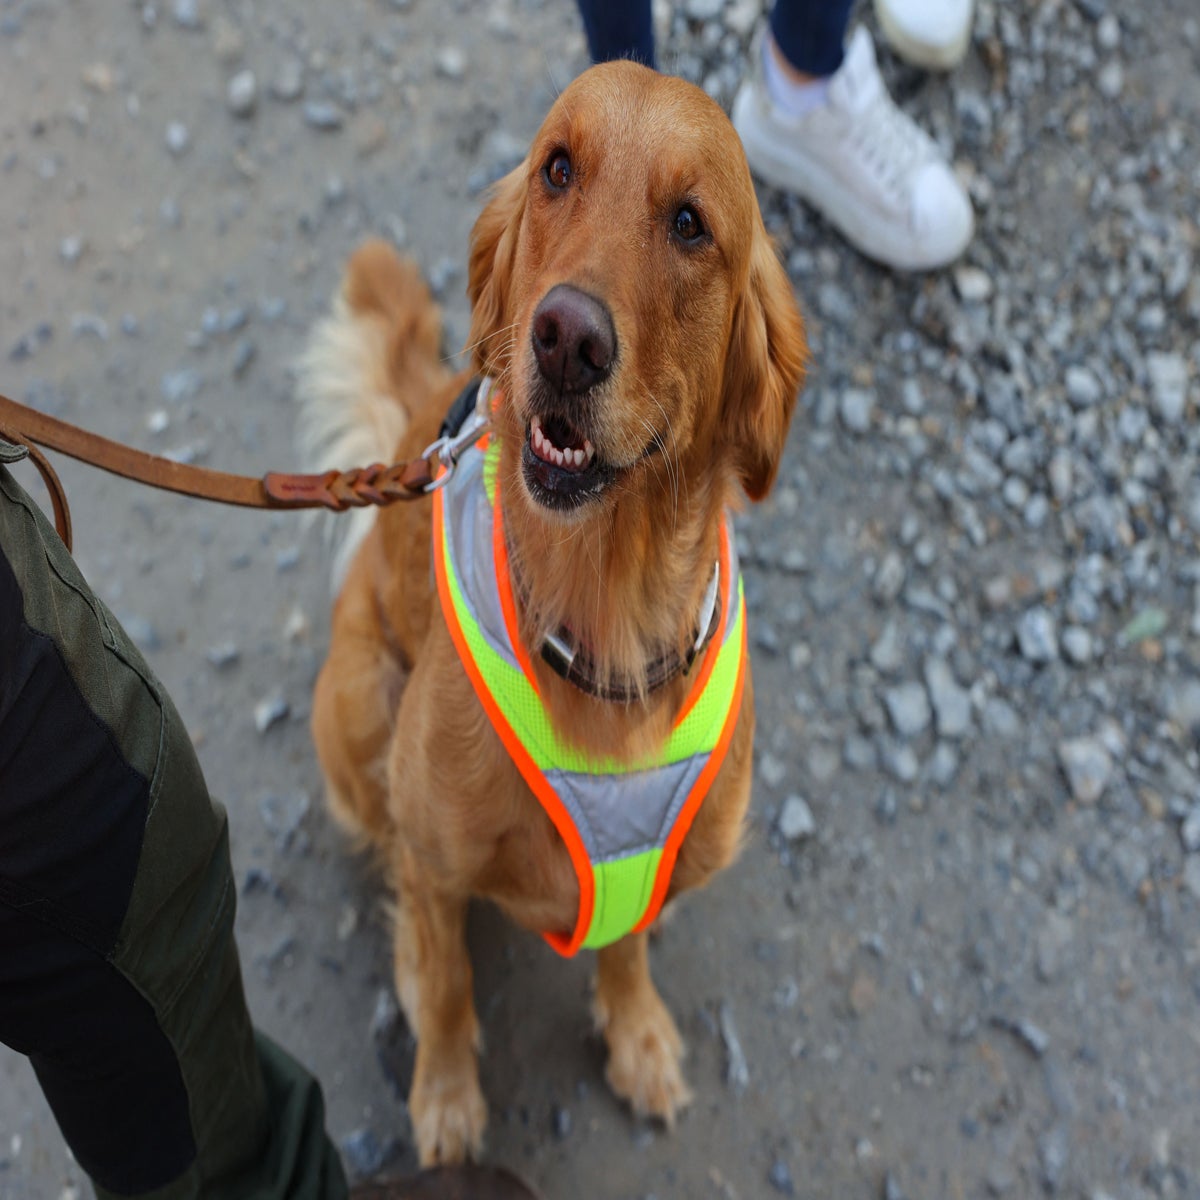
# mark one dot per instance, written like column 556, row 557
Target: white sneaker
column 861, row 162
column 927, row 33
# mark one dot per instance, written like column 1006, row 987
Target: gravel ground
column 960, row 956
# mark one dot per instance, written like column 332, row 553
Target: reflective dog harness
column 622, row 824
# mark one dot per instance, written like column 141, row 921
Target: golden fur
column 710, row 354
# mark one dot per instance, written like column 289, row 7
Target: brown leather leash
column 335, row 490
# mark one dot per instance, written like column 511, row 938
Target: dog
column 546, row 702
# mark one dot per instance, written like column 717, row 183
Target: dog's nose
column 573, row 339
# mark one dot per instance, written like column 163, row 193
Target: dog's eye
column 687, row 224
column 558, row 170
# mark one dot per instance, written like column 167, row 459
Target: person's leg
column 618, row 29
column 811, row 34
column 118, row 972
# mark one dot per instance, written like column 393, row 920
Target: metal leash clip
column 449, row 448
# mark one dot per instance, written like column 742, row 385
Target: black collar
column 576, row 666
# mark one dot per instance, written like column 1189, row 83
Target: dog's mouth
column 561, row 466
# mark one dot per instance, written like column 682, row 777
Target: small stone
column 223, row 655
column 451, row 62
column 560, row 1121
column 1053, row 940
column 284, row 814
column 1168, row 385
column 1189, row 831
column 737, row 1070
column 1000, row 719
column 1108, row 32
column 1191, row 875
column 889, row 578
column 1033, row 1036
column 320, row 114
column 796, row 819
column 242, row 94
column 973, row 285
column 183, row 384
column 385, row 1016
column 855, row 406
column 1037, row 636
column 71, row 248
column 288, row 82
column 887, row 651
column 1087, row 765
column 270, row 711
column 178, row 138
column 363, row 1153
column 1077, row 645
column 772, row 770
column 951, row 703
column 187, row 15
column 1054, row 1153
column 908, row 708
column 780, row 1178
column 1083, row 388
column 1111, row 80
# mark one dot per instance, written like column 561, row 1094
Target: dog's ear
column 764, row 368
column 493, row 244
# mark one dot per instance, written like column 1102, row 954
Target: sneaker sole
column 927, row 55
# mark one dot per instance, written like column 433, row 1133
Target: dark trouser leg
column 618, row 29
column 118, row 972
column 811, row 33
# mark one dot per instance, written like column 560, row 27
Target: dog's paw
column 448, row 1115
column 645, row 1058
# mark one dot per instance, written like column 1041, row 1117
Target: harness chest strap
column 622, row 826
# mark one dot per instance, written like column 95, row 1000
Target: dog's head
column 628, row 298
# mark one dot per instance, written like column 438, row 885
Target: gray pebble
column 737, row 1070
column 71, row 248
column 363, row 1153
column 178, row 138
column 451, row 62
column 951, row 703
column 1077, row 645
column 322, row 115
column 222, row 655
column 855, row 406
column 1088, row 767
column 908, row 708
column 1189, row 831
column 242, row 94
column 270, row 711
column 1168, row 385
column 287, row 85
column 187, row 14
column 780, row 1178
column 1000, row 719
column 796, row 819
column 1083, row 388
column 1037, row 636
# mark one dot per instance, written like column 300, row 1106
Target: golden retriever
column 646, row 350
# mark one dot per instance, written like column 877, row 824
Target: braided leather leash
column 335, row 490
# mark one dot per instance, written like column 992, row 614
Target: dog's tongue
column 558, row 444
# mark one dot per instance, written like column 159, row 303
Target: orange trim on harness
column 691, row 806
column 565, row 944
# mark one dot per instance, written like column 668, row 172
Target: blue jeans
column 810, row 33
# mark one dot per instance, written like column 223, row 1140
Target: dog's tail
column 366, row 364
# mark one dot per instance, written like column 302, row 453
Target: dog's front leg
column 645, row 1051
column 433, row 981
